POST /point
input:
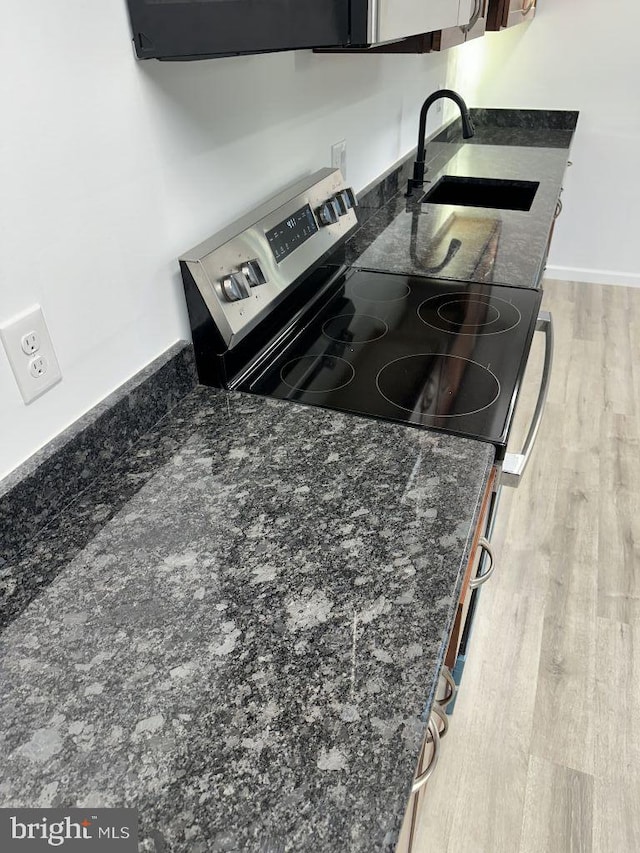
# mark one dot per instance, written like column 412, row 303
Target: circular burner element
column 438, row 385
column 477, row 314
column 355, row 329
column 317, row 374
column 381, row 289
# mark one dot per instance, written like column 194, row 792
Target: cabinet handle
column 514, row 464
column 421, row 780
column 526, row 9
column 558, row 209
column 484, row 577
column 439, row 711
column 473, row 20
column 451, row 685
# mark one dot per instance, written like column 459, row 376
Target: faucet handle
column 417, row 180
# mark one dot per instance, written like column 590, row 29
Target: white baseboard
column 627, row 279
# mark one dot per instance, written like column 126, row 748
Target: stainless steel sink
column 483, row 192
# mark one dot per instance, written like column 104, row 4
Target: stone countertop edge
column 231, row 673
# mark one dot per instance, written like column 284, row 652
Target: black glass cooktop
column 427, row 352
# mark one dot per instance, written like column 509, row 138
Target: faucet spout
column 467, row 132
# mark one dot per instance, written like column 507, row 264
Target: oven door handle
column 514, row 464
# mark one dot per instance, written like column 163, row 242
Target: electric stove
column 274, row 313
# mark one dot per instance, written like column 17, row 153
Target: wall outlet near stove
column 38, row 366
column 30, row 352
column 339, row 157
column 30, row 342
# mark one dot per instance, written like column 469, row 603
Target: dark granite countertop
column 241, row 628
column 507, row 247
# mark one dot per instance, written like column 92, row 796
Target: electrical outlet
column 339, row 157
column 38, row 366
column 30, row 343
column 30, row 352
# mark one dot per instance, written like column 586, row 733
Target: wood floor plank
column 564, row 730
column 532, row 505
column 616, row 816
column 587, row 312
column 558, row 815
column 619, row 520
column 487, row 748
column 618, row 700
column 620, row 394
column 617, row 755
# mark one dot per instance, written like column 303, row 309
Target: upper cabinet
column 193, row 29
column 508, row 13
column 485, row 15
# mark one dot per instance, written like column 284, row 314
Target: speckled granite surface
column 33, row 494
column 501, row 246
column 240, row 628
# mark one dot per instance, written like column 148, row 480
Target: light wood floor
column 543, row 751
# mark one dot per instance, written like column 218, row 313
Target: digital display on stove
column 291, row 233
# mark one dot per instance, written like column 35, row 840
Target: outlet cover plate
column 339, row 157
column 11, row 333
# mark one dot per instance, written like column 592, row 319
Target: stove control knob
column 252, row 271
column 328, row 212
column 342, row 202
column 234, row 287
column 350, row 197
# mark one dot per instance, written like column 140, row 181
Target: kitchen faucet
column 467, row 132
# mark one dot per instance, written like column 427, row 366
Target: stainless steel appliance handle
column 473, row 20
column 514, row 464
column 474, row 583
column 423, row 778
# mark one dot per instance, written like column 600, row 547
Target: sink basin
column 483, row 192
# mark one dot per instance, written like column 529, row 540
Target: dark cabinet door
column 508, row 13
column 520, row 11
column 190, row 29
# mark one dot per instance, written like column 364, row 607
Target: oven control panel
column 244, row 271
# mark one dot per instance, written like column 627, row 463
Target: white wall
column 110, row 168
column 577, row 55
